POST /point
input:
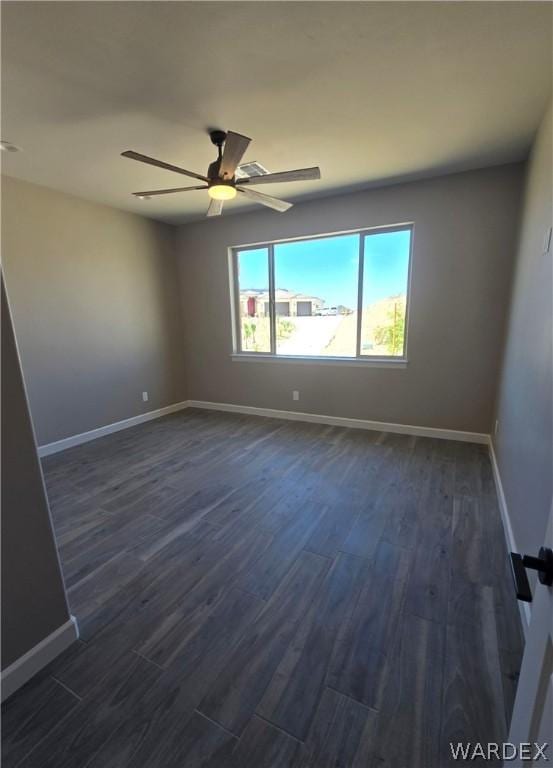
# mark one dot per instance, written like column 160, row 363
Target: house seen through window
column 343, row 296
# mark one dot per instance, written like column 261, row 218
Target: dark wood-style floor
column 256, row 593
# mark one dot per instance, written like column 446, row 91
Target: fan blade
column 302, row 174
column 160, row 164
column 152, row 192
column 235, row 146
column 270, row 202
column 215, row 208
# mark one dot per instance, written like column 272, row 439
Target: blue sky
column 386, row 265
column 253, row 269
column 328, row 268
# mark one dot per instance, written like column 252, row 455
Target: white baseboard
column 84, row 437
column 338, row 421
column 18, row 673
column 524, row 608
column 342, row 421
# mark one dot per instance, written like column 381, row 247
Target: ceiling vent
column 247, row 170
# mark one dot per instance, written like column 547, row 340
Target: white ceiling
column 371, row 92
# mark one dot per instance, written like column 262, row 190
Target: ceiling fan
column 220, row 181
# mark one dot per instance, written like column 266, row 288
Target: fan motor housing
column 218, row 137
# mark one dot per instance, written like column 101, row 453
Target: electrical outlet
column 295, row 394
column 496, row 427
column 145, row 397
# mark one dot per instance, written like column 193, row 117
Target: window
column 334, row 296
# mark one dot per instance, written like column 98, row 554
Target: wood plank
column 469, row 549
column 30, row 714
column 229, row 509
column 79, row 525
column 331, row 531
column 164, row 641
column 292, row 697
column 473, row 704
column 181, row 563
column 158, row 503
column 510, row 632
column 468, row 476
column 487, row 483
column 264, row 746
column 359, row 665
column 133, row 614
column 469, row 564
column 429, row 577
column 199, row 503
column 201, row 743
column 115, row 541
column 408, row 724
column 510, row 663
column 144, row 612
column 103, row 583
column 342, row 734
column 79, row 736
column 277, row 510
column 366, row 531
column 268, row 571
column 239, row 688
column 404, row 500
column 154, row 734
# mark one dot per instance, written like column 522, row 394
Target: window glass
column 385, row 281
column 316, row 283
column 253, row 296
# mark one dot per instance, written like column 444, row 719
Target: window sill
column 379, row 362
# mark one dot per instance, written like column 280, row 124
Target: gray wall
column 33, row 595
column 96, row 309
column 464, row 242
column 524, row 442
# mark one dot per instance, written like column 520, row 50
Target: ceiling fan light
column 221, row 192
